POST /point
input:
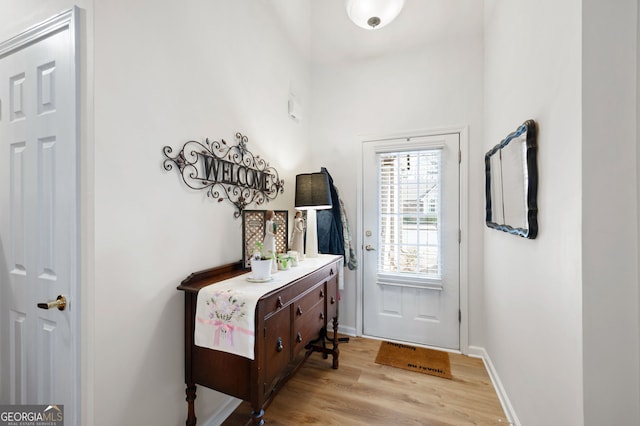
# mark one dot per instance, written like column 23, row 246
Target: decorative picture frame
column 253, row 231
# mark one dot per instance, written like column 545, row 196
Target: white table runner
column 225, row 311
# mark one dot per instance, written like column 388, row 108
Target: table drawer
column 307, row 327
column 309, row 300
column 282, row 297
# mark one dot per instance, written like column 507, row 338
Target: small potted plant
column 261, row 263
column 284, row 261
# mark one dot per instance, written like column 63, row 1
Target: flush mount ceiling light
column 372, row 14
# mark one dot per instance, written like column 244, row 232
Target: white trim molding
column 348, row 331
column 225, row 409
column 509, row 412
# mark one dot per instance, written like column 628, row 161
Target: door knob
column 60, row 303
column 368, row 247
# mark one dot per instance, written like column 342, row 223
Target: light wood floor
column 363, row 392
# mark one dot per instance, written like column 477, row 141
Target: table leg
column 336, row 351
column 257, row 417
column 191, row 412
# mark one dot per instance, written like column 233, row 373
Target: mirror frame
column 531, row 213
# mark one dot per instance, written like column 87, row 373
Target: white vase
column 261, row 269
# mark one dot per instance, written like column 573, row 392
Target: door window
column 409, row 206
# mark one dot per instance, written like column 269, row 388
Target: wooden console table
column 291, row 323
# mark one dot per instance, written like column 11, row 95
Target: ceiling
column 334, row 38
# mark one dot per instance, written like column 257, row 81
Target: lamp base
column 311, row 245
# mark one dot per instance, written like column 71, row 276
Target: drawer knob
column 333, row 300
column 321, row 315
column 279, row 345
column 299, row 311
column 299, row 337
column 321, row 294
column 279, row 302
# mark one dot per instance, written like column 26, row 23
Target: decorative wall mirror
column 511, row 189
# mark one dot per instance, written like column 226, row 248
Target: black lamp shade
column 312, row 191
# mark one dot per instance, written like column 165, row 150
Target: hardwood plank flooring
column 363, row 392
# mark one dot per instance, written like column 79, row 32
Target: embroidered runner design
column 225, row 311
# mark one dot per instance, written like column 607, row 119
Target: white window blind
column 410, row 212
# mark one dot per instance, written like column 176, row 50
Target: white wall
column 427, row 87
column 167, row 72
column 609, row 213
column 533, row 287
column 562, row 310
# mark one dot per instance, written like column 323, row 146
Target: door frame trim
column 463, row 132
column 68, row 19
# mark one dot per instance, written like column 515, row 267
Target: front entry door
column 39, row 361
column 411, row 240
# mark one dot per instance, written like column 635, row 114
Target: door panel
column 17, row 358
column 411, row 229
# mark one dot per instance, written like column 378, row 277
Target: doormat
column 421, row 360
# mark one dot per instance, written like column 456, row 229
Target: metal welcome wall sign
column 226, row 171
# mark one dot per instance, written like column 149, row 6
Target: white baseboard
column 480, row 352
column 224, row 411
column 349, row 331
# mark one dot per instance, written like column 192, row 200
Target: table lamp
column 312, row 193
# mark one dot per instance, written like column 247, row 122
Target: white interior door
column 39, row 216
column 411, row 283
